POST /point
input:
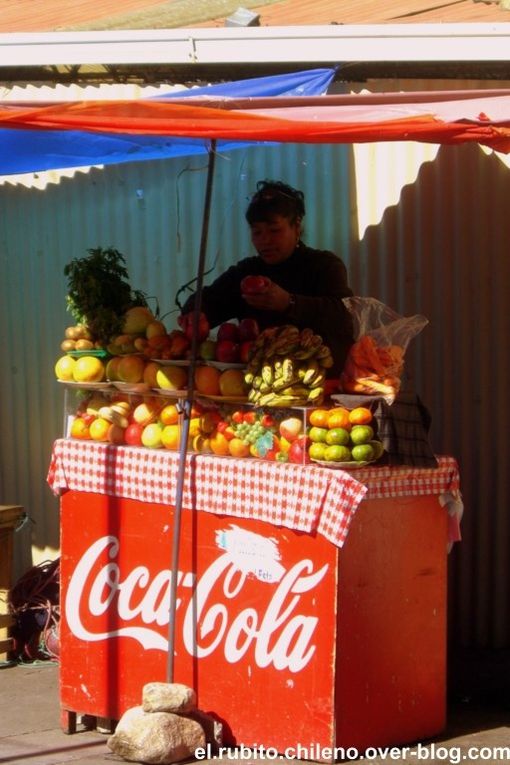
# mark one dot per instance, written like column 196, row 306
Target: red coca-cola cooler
column 293, row 641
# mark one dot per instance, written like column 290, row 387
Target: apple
column 251, row 285
column 228, row 331
column 133, row 434
column 244, row 351
column 179, row 344
column 291, row 428
column 227, row 351
column 248, row 329
column 186, row 324
column 151, row 435
column 207, row 350
column 298, row 452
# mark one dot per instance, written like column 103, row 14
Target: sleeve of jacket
column 221, row 299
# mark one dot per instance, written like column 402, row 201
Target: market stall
column 324, row 589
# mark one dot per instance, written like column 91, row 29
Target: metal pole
column 183, row 446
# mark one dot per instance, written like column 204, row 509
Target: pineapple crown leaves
column 99, row 292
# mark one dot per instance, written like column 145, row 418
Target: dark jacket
column 317, row 279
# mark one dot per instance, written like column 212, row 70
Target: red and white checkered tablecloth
column 304, row 498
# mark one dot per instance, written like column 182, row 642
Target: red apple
column 248, row 329
column 227, row 351
column 251, row 285
column 228, row 331
column 133, row 434
column 244, row 351
column 186, row 323
column 298, row 452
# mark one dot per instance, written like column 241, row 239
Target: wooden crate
column 10, row 516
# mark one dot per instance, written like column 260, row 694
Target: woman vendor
column 300, row 285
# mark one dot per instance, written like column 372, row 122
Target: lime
column 318, row 434
column 316, row 450
column 337, row 453
column 362, row 453
column 361, row 434
column 337, row 436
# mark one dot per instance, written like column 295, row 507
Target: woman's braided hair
column 275, row 198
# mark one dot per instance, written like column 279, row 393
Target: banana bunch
column 287, row 367
column 115, row 413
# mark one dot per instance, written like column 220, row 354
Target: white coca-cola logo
column 280, row 636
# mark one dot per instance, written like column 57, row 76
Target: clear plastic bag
column 375, row 362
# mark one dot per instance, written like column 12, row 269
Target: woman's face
column 275, row 239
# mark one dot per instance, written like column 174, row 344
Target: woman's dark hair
column 275, row 198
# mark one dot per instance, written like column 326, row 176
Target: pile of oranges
column 343, row 435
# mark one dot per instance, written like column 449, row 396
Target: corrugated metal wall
column 436, row 245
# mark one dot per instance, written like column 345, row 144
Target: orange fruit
column 319, row 418
column 360, row 416
column 79, row 428
column 239, row 448
column 339, row 418
column 219, row 444
column 99, row 429
column 207, row 380
column 169, row 415
column 232, row 383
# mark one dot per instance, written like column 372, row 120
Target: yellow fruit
column 169, row 415
column 171, row 378
column 99, row 429
column 79, row 428
column 88, row 369
column 239, row 448
column 64, row 368
column 170, row 436
column 219, row 444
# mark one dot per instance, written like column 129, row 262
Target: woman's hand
column 274, row 298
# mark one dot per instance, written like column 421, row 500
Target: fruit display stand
column 321, row 590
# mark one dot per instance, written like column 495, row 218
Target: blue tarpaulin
column 23, row 151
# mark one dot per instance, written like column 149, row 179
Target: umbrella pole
column 183, row 446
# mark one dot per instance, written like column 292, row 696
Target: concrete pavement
column 30, row 731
